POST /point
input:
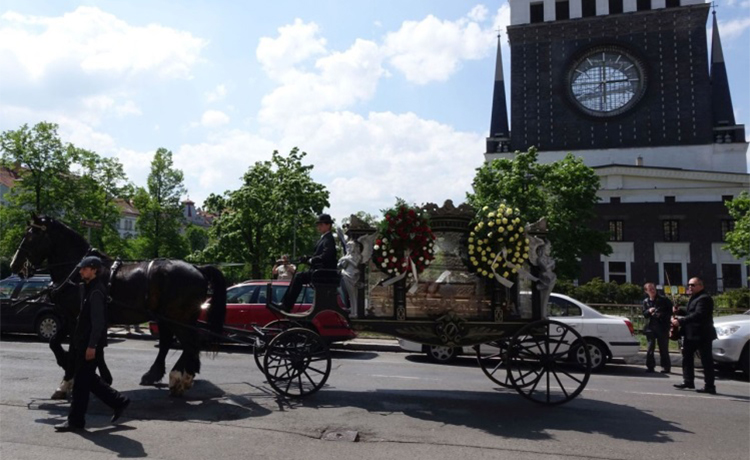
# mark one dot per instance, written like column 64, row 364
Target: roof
column 8, row 177
column 126, row 207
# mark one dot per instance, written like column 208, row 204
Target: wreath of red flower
column 404, row 235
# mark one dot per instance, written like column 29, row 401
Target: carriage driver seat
column 326, row 284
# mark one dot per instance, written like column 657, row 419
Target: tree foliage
column 564, row 192
column 160, row 210
column 271, row 212
column 738, row 240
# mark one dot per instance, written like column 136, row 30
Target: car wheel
column 744, row 364
column 597, row 350
column 47, row 326
column 440, row 354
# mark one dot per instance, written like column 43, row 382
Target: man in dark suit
column 657, row 310
column 324, row 257
column 696, row 322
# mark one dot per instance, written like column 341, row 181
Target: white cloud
column 734, row 28
column 214, row 118
column 432, row 49
column 296, row 43
column 95, row 42
column 128, row 108
column 217, row 94
column 478, row 13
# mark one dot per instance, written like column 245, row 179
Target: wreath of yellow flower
column 498, row 242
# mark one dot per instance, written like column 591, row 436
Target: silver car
column 733, row 343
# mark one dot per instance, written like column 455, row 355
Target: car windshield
column 31, row 288
column 7, row 287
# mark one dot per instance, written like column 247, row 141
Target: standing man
column 657, row 310
column 283, row 269
column 697, row 323
column 323, row 258
column 90, row 334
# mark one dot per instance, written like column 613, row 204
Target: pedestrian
column 657, row 309
column 91, row 334
column 697, row 324
column 283, row 269
column 324, row 258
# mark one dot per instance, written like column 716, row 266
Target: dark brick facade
column 699, row 224
column 675, row 109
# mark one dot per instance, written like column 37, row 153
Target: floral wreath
column 498, row 246
column 405, row 244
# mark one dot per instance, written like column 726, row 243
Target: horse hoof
column 59, row 395
column 149, row 381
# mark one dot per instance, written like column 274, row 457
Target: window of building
column 536, row 12
column 673, row 3
column 588, row 8
column 618, row 272
column 671, row 230
column 731, row 276
column 727, row 225
column 562, row 9
column 725, row 198
column 643, row 5
column 614, row 200
column 615, row 230
column 672, row 273
column 669, row 199
column 615, row 6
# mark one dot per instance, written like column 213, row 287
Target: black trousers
column 703, row 347
column 291, row 294
column 661, row 339
column 86, row 381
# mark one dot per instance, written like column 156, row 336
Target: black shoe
column 684, row 386
column 650, row 371
column 66, row 426
column 666, row 371
column 120, row 410
column 709, row 390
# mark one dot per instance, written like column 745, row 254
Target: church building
column 631, row 87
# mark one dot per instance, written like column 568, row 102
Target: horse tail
column 218, row 304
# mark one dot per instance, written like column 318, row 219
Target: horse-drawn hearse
column 448, row 276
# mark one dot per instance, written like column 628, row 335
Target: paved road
column 401, row 406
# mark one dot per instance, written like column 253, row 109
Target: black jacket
column 325, row 253
column 91, row 328
column 659, row 321
column 697, row 322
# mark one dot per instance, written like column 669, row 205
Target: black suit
column 697, row 325
column 324, row 258
column 657, row 330
column 90, row 332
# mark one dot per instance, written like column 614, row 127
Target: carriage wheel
column 537, row 367
column 494, row 363
column 270, row 331
column 297, row 362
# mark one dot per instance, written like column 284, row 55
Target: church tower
column 631, row 87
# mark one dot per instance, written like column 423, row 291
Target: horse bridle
column 28, row 267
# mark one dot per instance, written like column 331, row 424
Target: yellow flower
column 490, row 223
column 495, row 265
column 471, row 240
column 489, row 234
column 526, row 256
column 500, row 229
column 505, row 274
column 491, row 215
column 484, row 259
column 517, row 254
column 474, row 261
column 510, row 228
column 514, row 270
column 492, row 255
column 505, row 220
column 471, row 247
column 485, row 208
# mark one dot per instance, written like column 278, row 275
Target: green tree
column 738, row 240
column 268, row 215
column 160, row 210
column 564, row 192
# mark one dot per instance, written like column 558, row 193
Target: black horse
column 168, row 291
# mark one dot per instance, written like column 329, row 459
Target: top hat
column 324, row 219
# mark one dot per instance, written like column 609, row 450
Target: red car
column 246, row 306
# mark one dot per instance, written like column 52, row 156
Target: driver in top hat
column 324, row 257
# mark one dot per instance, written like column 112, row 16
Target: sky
column 388, row 98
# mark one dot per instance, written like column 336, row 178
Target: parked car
column 732, row 347
column 246, row 306
column 37, row 315
column 607, row 336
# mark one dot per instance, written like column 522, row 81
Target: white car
column 733, row 343
column 607, row 336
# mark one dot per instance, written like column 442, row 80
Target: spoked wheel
column 492, row 358
column 297, row 362
column 270, row 331
column 537, row 365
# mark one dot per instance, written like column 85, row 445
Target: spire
column 499, row 121
column 723, row 112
